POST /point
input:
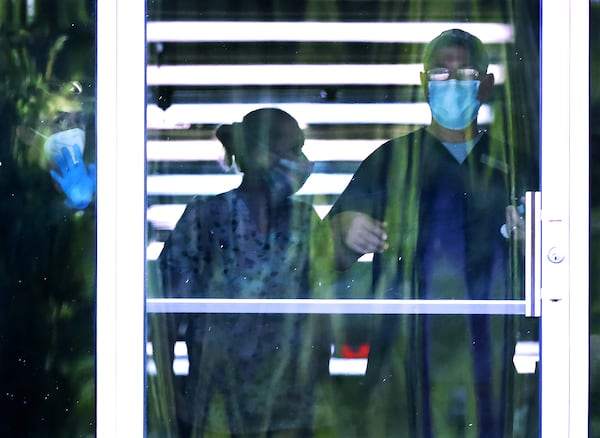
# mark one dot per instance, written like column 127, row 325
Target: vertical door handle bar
column 533, row 249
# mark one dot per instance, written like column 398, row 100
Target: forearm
column 344, row 256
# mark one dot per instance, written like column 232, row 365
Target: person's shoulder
column 301, row 201
column 201, row 207
column 403, row 145
column 211, row 201
column 408, row 139
column 302, row 207
column 382, row 154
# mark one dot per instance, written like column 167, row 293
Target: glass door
column 330, row 250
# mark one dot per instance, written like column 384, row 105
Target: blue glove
column 77, row 182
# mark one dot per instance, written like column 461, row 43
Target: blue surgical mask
column 64, row 139
column 286, row 177
column 454, row 103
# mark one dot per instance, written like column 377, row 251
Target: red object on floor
column 359, row 352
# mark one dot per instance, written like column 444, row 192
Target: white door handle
column 533, row 247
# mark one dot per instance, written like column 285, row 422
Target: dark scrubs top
column 443, row 224
column 450, row 212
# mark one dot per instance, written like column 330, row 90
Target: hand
column 77, row 182
column 515, row 224
column 361, row 233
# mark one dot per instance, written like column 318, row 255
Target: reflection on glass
column 255, row 241
column 431, row 205
column 48, row 257
column 437, row 217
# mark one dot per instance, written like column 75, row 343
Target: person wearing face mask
column 62, row 153
column 434, row 207
column 256, row 241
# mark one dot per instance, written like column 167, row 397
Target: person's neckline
column 454, row 137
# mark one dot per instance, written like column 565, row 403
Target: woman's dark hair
column 252, row 136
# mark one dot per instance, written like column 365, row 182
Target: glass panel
column 345, row 77
column 218, row 385
column 47, row 185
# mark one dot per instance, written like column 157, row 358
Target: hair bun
column 225, row 134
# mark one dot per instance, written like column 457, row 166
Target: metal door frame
column 565, row 222
column 121, row 303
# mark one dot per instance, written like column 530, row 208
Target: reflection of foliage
column 33, row 34
column 47, row 267
column 36, row 102
column 33, row 94
column 46, row 16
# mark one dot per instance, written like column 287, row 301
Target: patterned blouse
column 263, row 365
